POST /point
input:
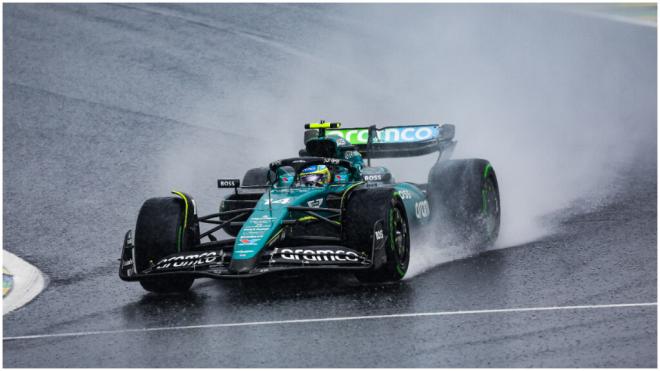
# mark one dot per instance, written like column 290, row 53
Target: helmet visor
column 312, row 179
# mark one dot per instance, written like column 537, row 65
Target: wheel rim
column 400, row 235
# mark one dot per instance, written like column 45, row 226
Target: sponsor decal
column 311, row 169
column 281, row 201
column 257, row 229
column 228, row 183
column 422, row 209
column 315, row 203
column 390, row 135
column 126, row 263
column 373, row 178
column 248, row 241
column 340, row 141
column 317, row 255
column 333, row 161
column 379, row 237
column 188, row 260
column 405, row 194
column 249, row 235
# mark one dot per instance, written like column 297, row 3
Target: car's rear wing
column 398, row 141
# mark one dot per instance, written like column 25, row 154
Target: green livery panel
column 265, row 223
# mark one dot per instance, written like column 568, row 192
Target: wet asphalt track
column 100, row 110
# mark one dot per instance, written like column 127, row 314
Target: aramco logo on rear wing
column 389, row 135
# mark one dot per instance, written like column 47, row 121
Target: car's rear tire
column 160, row 232
column 465, row 201
column 365, row 208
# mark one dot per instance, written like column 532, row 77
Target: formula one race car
column 325, row 209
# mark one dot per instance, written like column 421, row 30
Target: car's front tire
column 381, row 207
column 160, row 232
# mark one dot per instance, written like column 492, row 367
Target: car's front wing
column 215, row 263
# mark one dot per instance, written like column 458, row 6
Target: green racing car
column 324, row 210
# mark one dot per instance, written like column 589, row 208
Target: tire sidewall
column 160, row 232
column 365, row 208
column 395, row 260
column 456, row 194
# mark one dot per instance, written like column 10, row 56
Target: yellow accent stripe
column 310, row 218
column 324, row 125
column 274, row 236
column 185, row 220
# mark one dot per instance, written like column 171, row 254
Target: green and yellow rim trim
column 180, row 230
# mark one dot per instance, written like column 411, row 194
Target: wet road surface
column 107, row 105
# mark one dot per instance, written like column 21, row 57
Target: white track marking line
column 330, row 319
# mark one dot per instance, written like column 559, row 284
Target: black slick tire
column 465, row 202
column 368, row 209
column 159, row 232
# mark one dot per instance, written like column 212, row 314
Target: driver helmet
column 316, row 175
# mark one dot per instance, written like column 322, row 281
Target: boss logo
column 422, row 209
column 228, row 183
column 379, row 234
column 372, row 178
